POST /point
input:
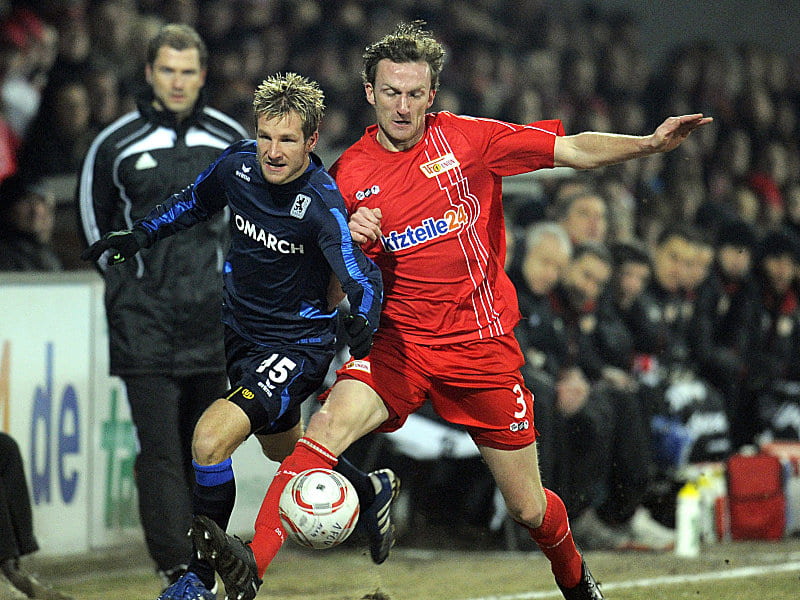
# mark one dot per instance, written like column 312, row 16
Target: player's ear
column 370, row 93
column 312, row 140
column 431, row 96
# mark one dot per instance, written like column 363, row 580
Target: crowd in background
column 68, row 68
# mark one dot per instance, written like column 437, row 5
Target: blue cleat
column 376, row 518
column 230, row 557
column 189, row 587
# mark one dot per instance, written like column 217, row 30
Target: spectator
column 571, row 417
column 699, row 265
column 105, row 101
column 631, row 273
column 31, row 44
column 602, row 348
column 17, row 538
column 681, row 403
column 540, row 259
column 773, row 377
column 792, row 218
column 583, row 214
column 61, row 133
column 27, row 217
column 724, row 316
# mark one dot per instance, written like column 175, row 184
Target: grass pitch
column 729, row 571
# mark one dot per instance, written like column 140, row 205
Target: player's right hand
column 365, row 224
column 124, row 244
column 359, row 335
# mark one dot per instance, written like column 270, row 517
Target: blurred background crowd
column 659, row 297
column 68, row 68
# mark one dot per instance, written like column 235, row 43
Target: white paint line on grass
column 755, row 571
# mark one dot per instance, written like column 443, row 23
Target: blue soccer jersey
column 285, row 242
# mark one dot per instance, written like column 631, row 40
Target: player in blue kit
column 289, row 237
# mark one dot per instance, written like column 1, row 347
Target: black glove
column 126, row 243
column 359, row 334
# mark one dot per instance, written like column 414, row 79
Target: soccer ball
column 319, row 508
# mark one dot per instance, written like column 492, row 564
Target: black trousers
column 16, row 518
column 165, row 410
column 630, row 469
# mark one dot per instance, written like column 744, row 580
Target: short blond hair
column 281, row 93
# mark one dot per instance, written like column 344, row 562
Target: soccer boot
column 587, row 588
column 376, row 519
column 230, row 557
column 189, row 587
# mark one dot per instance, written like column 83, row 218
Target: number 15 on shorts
column 278, row 368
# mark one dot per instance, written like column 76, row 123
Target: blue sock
column 214, row 495
column 359, row 479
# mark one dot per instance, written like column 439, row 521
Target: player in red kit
column 424, row 194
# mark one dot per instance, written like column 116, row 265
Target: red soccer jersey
column 443, row 238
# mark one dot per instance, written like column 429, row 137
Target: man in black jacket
column 163, row 306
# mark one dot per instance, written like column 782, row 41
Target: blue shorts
column 269, row 383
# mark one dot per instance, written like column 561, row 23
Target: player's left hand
column 674, row 130
column 359, row 334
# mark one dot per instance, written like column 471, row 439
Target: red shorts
column 476, row 384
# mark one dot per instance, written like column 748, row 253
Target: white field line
column 755, row 571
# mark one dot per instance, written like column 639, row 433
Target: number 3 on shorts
column 280, row 370
column 523, row 408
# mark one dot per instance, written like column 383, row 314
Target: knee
column 208, row 447
column 528, row 511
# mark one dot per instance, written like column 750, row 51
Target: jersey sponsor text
column 430, row 229
column 268, row 240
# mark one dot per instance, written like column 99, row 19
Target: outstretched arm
column 594, row 149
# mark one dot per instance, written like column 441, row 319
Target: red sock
column 269, row 534
column 554, row 537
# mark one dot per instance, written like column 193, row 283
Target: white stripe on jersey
column 510, row 126
column 471, row 204
column 87, row 214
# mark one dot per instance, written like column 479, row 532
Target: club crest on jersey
column 300, row 205
column 358, row 365
column 440, row 165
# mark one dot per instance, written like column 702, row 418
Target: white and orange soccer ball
column 319, row 508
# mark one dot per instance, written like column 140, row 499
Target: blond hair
column 281, row 93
